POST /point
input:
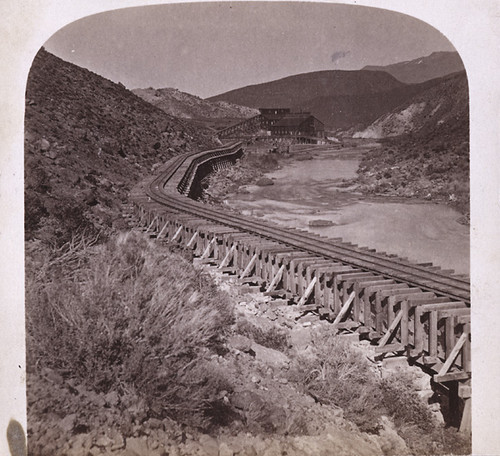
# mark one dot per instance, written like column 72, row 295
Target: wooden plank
column 391, row 329
column 193, row 238
column 276, row 279
column 174, row 237
column 388, row 348
column 451, row 376
column 452, row 356
column 228, row 256
column 208, row 249
column 466, row 421
column 344, row 309
column 151, row 224
column 450, row 313
column 308, row 291
column 249, row 266
column 162, row 230
column 433, row 334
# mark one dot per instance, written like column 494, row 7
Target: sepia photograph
column 246, row 229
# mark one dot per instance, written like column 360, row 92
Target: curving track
column 413, row 310
column 424, row 276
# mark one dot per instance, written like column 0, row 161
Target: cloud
column 336, row 56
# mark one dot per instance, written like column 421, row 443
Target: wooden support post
column 174, row 237
column 433, row 334
column 276, row 279
column 160, row 234
column 207, row 251
column 391, row 329
column 249, row 267
column 308, row 291
column 344, row 309
column 151, row 224
column 453, row 354
column 226, row 259
column 450, row 335
column 193, row 238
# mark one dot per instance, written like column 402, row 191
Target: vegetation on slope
column 126, row 321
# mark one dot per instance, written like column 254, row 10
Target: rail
column 414, row 310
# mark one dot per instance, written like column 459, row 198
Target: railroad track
column 425, row 276
column 417, row 311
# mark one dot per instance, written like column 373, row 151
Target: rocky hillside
column 340, row 99
column 184, row 105
column 433, row 66
column 445, row 103
column 427, row 150
column 87, row 141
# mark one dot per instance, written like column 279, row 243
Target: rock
column 104, row 441
column 270, row 357
column 224, row 450
column 138, row 445
column 264, row 182
column 239, row 342
column 52, row 154
column 52, row 375
column 44, row 144
column 112, row 398
column 118, row 442
column 243, row 400
column 68, row 423
column 390, row 442
column 209, row 445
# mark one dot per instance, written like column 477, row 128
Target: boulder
column 264, row 182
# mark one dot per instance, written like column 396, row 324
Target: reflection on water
column 309, row 190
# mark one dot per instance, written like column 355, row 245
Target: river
column 311, row 190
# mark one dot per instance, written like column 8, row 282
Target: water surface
column 309, row 190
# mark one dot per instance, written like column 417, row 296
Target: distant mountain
column 443, row 104
column 185, row 105
column 433, row 66
column 340, row 99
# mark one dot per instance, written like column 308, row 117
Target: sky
column 209, row 48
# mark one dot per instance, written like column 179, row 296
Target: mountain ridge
column 187, row 106
column 435, row 65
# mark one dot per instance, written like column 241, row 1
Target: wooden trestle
column 430, row 330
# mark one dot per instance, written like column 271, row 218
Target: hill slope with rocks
column 185, row 105
column 340, row 99
column 87, row 141
column 426, row 151
column 433, row 66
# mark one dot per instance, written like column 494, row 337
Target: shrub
column 340, row 374
column 271, row 338
column 130, row 318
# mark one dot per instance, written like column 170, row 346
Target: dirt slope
column 184, row 105
column 87, row 141
column 443, row 105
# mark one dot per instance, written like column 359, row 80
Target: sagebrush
column 131, row 318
